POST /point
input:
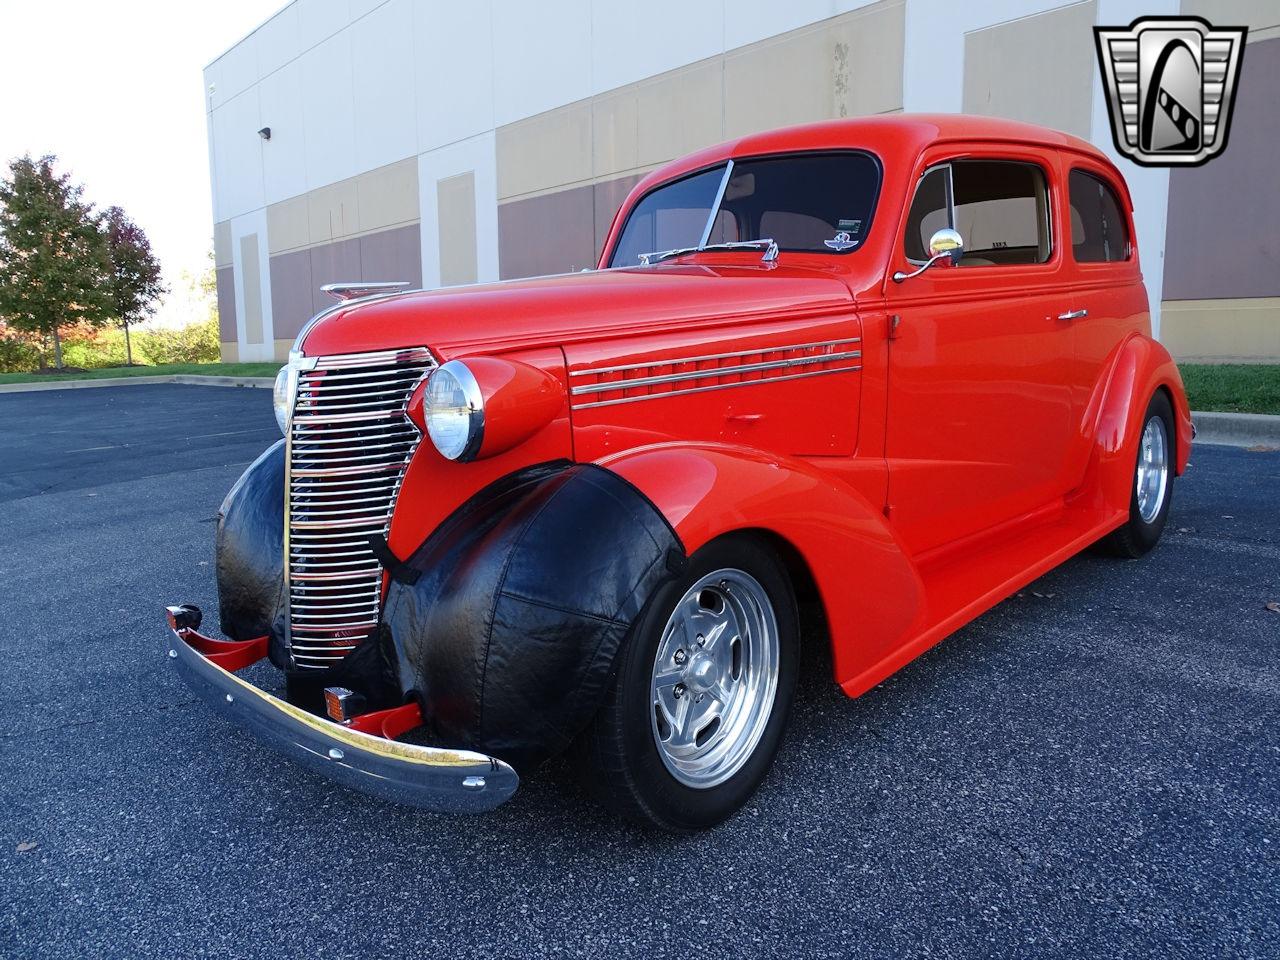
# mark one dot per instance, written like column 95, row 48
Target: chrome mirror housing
column 947, row 241
column 944, row 244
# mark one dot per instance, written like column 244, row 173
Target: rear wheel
column 701, row 697
column 1152, row 488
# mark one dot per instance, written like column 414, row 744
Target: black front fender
column 249, row 552
column 521, row 602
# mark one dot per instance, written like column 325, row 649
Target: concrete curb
column 1237, row 429
column 265, row 383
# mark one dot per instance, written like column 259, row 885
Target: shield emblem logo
column 1170, row 84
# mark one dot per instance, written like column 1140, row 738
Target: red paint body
column 963, row 454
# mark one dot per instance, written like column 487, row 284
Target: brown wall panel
column 332, row 263
column 291, row 292
column 392, row 255
column 608, row 198
column 224, row 278
column 552, row 233
column 296, row 277
column 1222, row 240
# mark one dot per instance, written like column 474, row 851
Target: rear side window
column 1099, row 229
column 1000, row 208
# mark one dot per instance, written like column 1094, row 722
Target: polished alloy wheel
column 714, row 678
column 1153, row 469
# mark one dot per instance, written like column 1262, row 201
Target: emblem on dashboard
column 1171, row 84
column 841, row 242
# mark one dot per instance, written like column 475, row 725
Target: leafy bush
column 194, row 343
column 93, row 349
column 17, row 354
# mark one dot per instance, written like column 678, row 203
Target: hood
column 573, row 307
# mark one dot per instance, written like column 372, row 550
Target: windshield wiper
column 767, row 244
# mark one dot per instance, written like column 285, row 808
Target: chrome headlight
column 285, row 392
column 454, row 411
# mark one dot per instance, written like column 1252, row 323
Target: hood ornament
column 354, row 291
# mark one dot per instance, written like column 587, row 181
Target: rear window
column 1099, row 228
column 810, row 203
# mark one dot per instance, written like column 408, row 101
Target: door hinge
column 894, row 321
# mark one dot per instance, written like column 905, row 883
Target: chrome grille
column 349, row 444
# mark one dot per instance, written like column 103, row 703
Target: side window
column 929, row 213
column 1002, row 212
column 1000, row 207
column 1099, row 229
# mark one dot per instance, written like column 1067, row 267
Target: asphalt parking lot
column 1091, row 769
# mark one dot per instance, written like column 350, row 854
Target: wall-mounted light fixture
column 265, row 133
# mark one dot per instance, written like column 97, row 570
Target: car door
column 979, row 389
column 1109, row 300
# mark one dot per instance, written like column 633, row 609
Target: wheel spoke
column 668, row 678
column 722, row 692
column 681, row 732
column 697, row 714
column 711, row 639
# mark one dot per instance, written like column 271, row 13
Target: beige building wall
column 1039, row 69
column 1222, row 330
column 362, row 228
column 456, row 219
column 563, row 173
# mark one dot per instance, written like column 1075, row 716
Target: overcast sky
column 115, row 89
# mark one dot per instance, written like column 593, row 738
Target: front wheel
column 704, row 685
column 1152, row 489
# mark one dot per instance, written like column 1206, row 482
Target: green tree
column 135, row 283
column 54, row 265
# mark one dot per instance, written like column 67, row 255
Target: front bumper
column 432, row 778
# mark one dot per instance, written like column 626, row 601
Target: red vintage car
column 898, row 367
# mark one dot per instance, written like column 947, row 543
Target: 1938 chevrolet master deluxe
column 896, row 366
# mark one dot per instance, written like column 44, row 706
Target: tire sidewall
column 668, row 801
column 1146, row 534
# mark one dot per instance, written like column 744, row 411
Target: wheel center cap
column 702, row 672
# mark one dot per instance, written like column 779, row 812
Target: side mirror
column 944, row 245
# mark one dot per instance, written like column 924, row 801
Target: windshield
column 812, row 203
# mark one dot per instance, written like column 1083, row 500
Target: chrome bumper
column 445, row 781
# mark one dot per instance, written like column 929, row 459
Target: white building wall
column 352, row 85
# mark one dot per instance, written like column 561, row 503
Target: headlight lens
column 286, row 389
column 454, row 411
column 282, row 395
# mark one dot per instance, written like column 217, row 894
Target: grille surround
column 348, row 443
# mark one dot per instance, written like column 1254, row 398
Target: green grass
column 1233, row 387
column 167, row 369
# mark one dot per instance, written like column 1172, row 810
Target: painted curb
column 1237, row 429
column 264, row 383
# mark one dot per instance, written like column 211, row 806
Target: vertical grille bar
column 349, row 443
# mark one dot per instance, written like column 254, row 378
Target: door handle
column 1073, row 315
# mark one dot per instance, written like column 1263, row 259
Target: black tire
column 617, row 757
column 1138, row 536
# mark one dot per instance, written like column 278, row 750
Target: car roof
column 898, row 134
